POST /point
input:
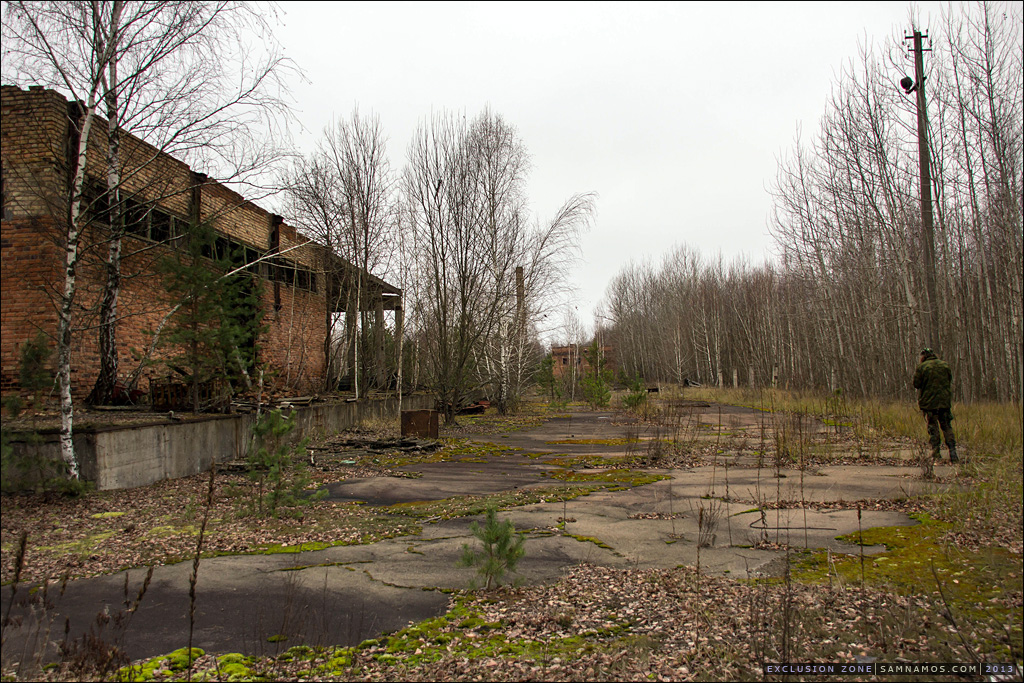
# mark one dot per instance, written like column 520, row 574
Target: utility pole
column 925, row 161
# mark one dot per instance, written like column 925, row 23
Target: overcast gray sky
column 673, row 113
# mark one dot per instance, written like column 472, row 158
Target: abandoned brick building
column 566, row 358
column 303, row 285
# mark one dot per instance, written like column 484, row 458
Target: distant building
column 575, row 356
column 161, row 199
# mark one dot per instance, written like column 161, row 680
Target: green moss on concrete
column 584, row 461
column 620, row 477
column 167, row 530
column 180, row 659
column 299, row 652
column 235, row 667
column 919, row 560
column 281, row 549
column 376, row 529
column 591, row 539
column 462, row 506
column 176, row 661
column 464, row 633
column 230, row 667
column 140, row 672
column 232, row 672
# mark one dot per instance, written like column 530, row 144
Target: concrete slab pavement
column 266, row 603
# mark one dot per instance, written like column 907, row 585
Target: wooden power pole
column 927, row 217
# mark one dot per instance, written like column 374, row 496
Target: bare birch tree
column 487, row 274
column 527, row 264
column 456, row 304
column 343, row 196
column 86, row 58
column 161, row 70
column 171, row 82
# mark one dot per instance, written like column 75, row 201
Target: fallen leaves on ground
column 600, row 624
column 106, row 531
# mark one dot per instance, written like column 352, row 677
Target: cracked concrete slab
column 261, row 604
column 440, row 480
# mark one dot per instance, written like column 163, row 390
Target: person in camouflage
column 933, row 380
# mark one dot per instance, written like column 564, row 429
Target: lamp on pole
column 910, row 85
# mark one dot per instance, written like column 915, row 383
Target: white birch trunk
column 67, row 411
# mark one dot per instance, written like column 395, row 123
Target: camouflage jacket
column 932, row 381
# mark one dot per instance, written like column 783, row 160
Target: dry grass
column 986, row 509
column 985, row 427
column 384, row 427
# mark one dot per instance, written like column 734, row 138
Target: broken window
column 223, row 246
column 96, row 208
column 136, row 218
column 251, row 258
column 139, row 218
column 305, row 279
column 288, row 272
column 281, row 270
column 161, row 226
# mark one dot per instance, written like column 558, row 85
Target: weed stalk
column 19, row 566
column 194, row 576
column 860, row 542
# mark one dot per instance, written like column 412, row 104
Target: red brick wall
column 34, row 153
column 30, row 277
column 29, row 262
column 35, row 135
column 293, row 344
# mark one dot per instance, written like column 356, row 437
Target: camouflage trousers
column 940, row 420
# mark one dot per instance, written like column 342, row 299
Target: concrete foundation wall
column 130, row 456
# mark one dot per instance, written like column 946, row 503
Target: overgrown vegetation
column 25, row 466
column 217, row 320
column 986, row 427
column 500, row 552
column 29, row 468
column 596, row 384
column 843, row 306
column 613, row 624
column 548, row 383
column 636, row 396
column 278, row 466
column 976, row 587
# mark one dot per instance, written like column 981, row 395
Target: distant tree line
column 843, row 305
